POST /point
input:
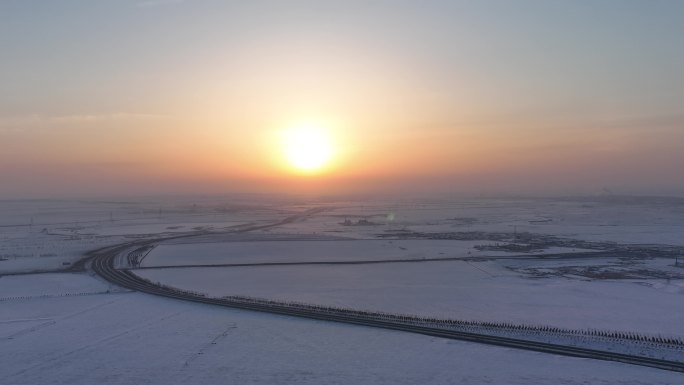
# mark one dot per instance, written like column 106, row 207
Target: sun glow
column 307, row 148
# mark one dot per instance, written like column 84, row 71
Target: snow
column 132, row 338
column 53, row 284
column 269, row 250
column 74, row 328
column 301, row 251
column 453, row 289
column 639, row 220
column 50, row 235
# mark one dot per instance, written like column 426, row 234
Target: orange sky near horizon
column 195, row 96
column 171, row 153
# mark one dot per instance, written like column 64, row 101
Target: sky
column 484, row 97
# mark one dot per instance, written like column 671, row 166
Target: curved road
column 102, row 263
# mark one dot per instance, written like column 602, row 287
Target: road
column 102, row 262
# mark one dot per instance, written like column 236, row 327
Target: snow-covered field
column 131, row 338
column 624, row 220
column 58, row 327
column 313, row 250
column 460, row 290
column 44, row 235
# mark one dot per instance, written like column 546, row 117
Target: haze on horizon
column 172, row 96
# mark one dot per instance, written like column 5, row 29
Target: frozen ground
column 624, row 220
column 131, row 338
column 50, row 284
column 49, row 235
column 461, row 290
column 313, row 250
column 42, row 235
column 72, row 328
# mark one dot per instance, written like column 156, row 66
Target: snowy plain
column 453, row 289
column 132, row 338
column 313, row 250
column 49, row 235
column 58, row 327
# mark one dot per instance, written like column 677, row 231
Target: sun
column 307, row 148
